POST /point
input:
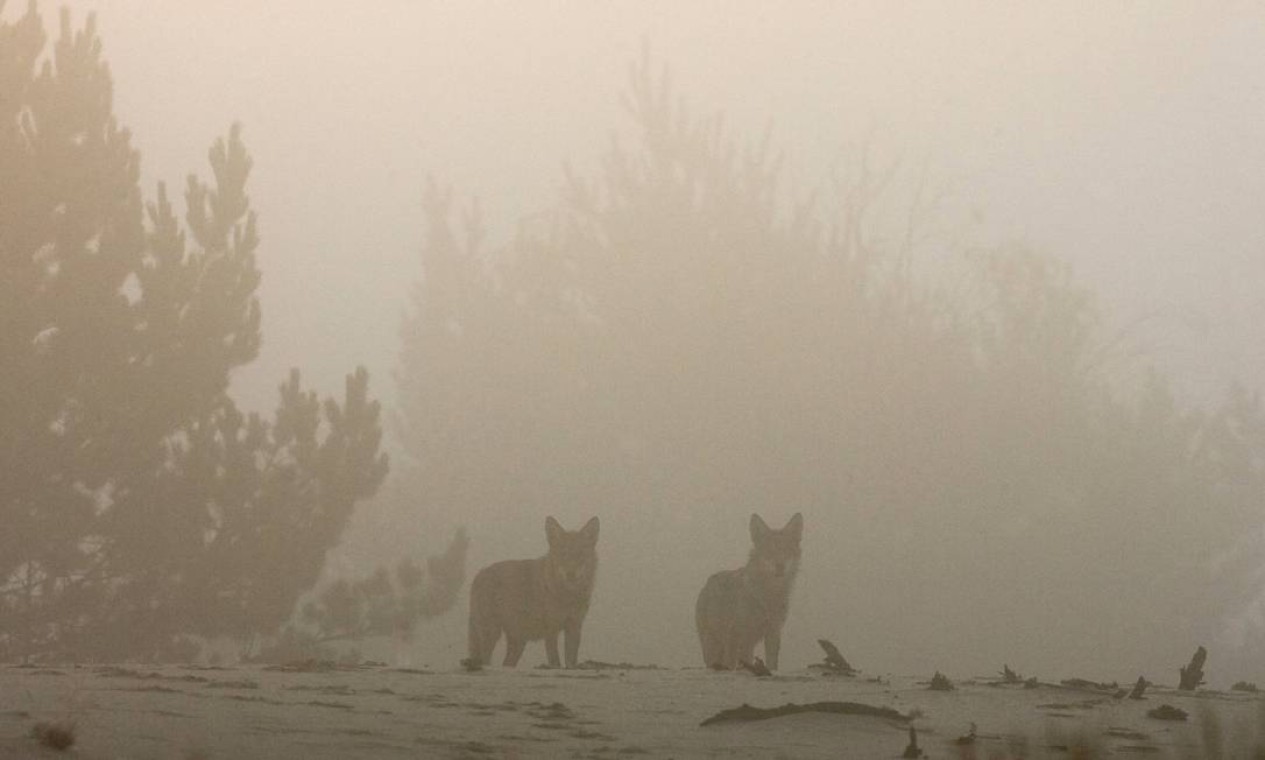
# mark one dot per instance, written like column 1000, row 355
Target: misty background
column 1123, row 140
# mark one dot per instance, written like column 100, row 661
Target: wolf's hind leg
column 551, row 649
column 487, row 643
column 736, row 651
column 513, row 650
column 772, row 646
column 728, row 657
column 481, row 639
column 713, row 655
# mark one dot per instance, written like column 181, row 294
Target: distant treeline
column 680, row 339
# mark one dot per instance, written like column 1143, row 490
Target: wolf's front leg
column 772, row 645
column 571, row 639
column 551, row 649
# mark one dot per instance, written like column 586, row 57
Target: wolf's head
column 572, row 558
column 775, row 553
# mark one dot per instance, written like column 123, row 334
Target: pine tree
column 139, row 506
column 71, row 240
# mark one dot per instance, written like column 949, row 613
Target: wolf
column 533, row 599
column 738, row 608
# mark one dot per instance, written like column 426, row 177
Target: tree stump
column 912, row 750
column 1193, row 674
column 835, row 662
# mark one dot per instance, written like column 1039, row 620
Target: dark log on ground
column 757, row 667
column 1086, row 684
column 1167, row 712
column 1193, row 674
column 310, row 665
column 602, row 665
column 749, row 713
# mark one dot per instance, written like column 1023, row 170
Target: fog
column 1123, row 139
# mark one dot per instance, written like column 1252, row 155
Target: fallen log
column 1167, row 712
column 749, row 713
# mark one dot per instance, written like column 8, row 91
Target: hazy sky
column 1124, row 136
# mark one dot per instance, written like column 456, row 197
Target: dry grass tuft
column 58, row 735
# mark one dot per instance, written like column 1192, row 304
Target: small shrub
column 940, row 682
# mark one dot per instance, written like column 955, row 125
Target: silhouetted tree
column 673, row 303
column 138, row 505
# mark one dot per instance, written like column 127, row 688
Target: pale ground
column 379, row 712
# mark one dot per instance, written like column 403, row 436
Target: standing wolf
column 737, row 608
column 532, row 599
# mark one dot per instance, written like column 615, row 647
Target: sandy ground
column 381, row 712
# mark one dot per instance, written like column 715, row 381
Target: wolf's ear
column 553, row 531
column 759, row 530
column 795, row 527
column 589, row 531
